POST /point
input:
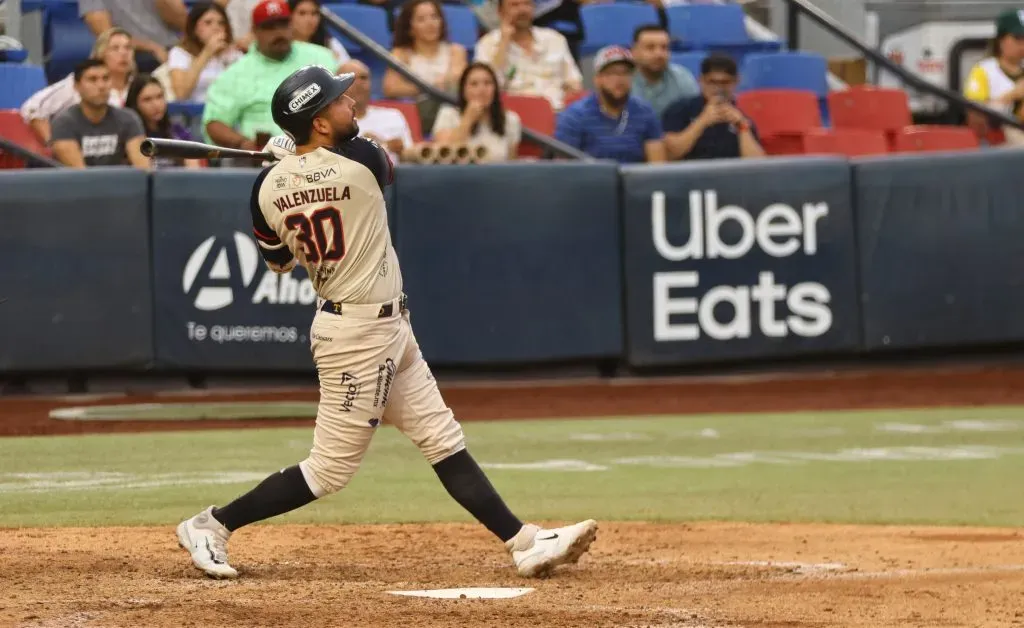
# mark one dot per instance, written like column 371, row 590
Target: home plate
column 476, row 593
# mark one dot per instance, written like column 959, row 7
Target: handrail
column 560, row 148
column 23, row 153
column 797, row 7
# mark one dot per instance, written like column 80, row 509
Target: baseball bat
column 184, row 149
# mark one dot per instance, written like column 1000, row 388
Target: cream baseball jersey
column 325, row 210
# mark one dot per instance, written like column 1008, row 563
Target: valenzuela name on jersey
column 305, row 197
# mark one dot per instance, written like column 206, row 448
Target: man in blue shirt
column 656, row 81
column 710, row 126
column 611, row 124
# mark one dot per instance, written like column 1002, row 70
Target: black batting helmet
column 302, row 95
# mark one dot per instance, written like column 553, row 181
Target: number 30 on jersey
column 312, row 233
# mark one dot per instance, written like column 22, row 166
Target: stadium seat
column 462, row 26
column 571, row 97
column 719, row 27
column 67, row 42
column 14, row 129
column 927, row 138
column 536, row 114
column 781, row 117
column 848, row 142
column 690, row 60
column 19, row 81
column 785, row 70
column 870, row 108
column 607, row 24
column 409, row 111
column 369, row 20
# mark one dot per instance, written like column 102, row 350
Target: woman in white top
column 308, row 26
column 114, row 47
column 421, row 43
column 480, row 119
column 203, row 54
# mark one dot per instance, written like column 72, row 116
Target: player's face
column 210, row 25
column 118, row 55
column 305, row 19
column 152, row 105
column 479, row 87
column 340, row 116
column 274, row 39
column 426, row 23
column 615, row 81
column 651, row 51
column 94, row 86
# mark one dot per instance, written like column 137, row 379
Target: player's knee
column 442, row 444
column 326, row 475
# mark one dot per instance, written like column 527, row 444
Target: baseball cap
column 612, row 54
column 1010, row 23
column 270, row 11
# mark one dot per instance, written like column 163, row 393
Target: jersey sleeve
column 371, row 155
column 976, row 87
column 275, row 253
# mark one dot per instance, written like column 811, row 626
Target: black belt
column 386, row 311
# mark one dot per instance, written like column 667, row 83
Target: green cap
column 1010, row 23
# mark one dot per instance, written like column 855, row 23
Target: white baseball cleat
column 206, row 540
column 537, row 551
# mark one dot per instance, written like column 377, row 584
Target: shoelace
column 219, row 549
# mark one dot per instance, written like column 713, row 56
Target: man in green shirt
column 238, row 102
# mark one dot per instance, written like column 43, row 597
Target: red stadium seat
column 536, row 114
column 848, row 142
column 14, row 129
column 571, row 97
column 926, row 138
column 886, row 110
column 781, row 116
column 411, row 113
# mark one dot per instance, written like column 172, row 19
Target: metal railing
column 796, row 8
column 560, row 149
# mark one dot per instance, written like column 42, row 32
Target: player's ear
column 321, row 126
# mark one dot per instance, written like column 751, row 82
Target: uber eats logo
column 687, row 305
column 221, row 270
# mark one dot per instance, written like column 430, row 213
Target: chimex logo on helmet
column 222, row 268
column 304, row 97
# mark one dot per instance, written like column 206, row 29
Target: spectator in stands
column 480, row 118
column 657, row 81
column 998, row 79
column 146, row 98
column 92, row 133
column 309, row 26
column 529, row 59
column 114, row 49
column 384, row 125
column 203, row 54
column 710, row 126
column 610, row 123
column 421, row 43
column 237, row 111
column 154, row 25
column 240, row 18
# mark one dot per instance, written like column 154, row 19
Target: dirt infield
column 654, row 575
column 637, row 575
column 978, row 385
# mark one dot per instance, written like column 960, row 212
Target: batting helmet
column 304, row 94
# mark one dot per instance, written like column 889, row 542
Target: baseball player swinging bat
column 321, row 206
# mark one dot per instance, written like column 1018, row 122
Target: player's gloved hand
column 280, row 146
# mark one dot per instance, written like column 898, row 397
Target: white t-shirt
column 386, row 124
column 180, row 59
column 499, row 147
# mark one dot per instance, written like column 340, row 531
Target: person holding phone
column 710, row 126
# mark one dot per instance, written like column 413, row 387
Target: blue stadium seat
column 785, row 70
column 371, row 21
column 462, row 26
column 690, row 60
column 20, row 82
column 718, row 27
column 607, row 24
column 67, row 41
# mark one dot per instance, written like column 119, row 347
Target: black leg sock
column 280, row 493
column 467, row 484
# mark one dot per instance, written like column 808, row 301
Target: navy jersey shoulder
column 371, row 155
column 260, row 227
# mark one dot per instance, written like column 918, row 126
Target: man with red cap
column 237, row 107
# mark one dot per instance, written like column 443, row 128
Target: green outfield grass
column 951, row 466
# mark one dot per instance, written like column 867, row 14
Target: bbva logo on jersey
column 221, row 269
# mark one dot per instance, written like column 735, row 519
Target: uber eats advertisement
column 738, row 259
